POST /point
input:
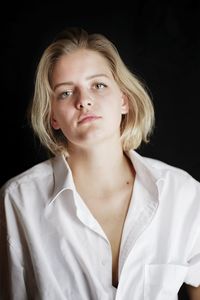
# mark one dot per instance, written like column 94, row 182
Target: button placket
column 106, row 264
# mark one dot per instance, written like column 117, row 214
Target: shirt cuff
column 193, row 274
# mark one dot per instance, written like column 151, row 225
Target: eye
column 100, row 85
column 65, row 94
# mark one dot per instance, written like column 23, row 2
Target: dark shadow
column 182, row 295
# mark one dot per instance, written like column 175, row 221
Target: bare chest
column 111, row 215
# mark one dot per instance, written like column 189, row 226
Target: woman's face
column 87, row 104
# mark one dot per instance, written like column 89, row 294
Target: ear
column 54, row 123
column 125, row 104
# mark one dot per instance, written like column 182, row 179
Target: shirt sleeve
column 4, row 269
column 12, row 285
column 193, row 274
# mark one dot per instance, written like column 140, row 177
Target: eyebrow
column 71, row 82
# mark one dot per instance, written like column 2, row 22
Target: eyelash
column 67, row 94
column 101, row 83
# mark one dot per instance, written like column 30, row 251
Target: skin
column 88, row 106
column 88, row 88
column 193, row 292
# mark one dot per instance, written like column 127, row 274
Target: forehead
column 80, row 63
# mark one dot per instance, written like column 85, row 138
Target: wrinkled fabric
column 52, row 247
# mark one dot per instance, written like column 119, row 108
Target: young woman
column 97, row 221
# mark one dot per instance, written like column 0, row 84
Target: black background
column 159, row 41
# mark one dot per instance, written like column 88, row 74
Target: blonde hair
column 136, row 125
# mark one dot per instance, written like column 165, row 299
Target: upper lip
column 85, row 116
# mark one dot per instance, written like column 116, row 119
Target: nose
column 84, row 101
column 84, row 104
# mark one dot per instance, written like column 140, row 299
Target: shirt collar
column 148, row 175
column 63, row 179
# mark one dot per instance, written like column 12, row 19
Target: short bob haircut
column 136, row 125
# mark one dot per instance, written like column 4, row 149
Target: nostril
column 81, row 105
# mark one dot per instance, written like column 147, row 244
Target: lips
column 88, row 118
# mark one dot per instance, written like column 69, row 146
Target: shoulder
column 161, row 171
column 177, row 191
column 176, row 182
column 169, row 171
column 163, row 166
column 32, row 176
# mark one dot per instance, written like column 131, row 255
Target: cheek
column 64, row 116
column 54, row 118
column 57, row 116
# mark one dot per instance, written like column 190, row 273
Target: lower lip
column 88, row 120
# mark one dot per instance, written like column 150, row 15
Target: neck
column 100, row 168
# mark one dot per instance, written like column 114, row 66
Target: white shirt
column 57, row 250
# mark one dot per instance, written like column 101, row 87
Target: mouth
column 88, row 119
